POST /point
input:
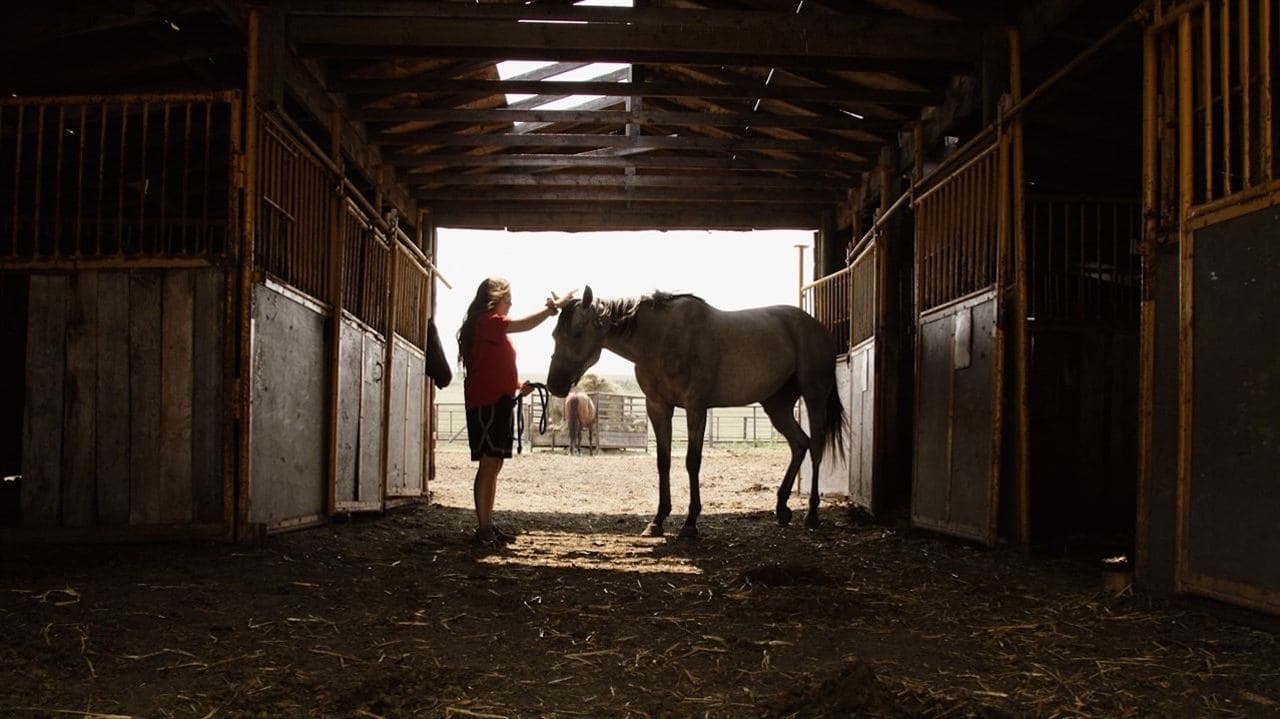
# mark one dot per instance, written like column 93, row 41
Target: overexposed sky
column 730, row 270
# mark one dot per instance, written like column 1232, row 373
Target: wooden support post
column 249, row 182
column 335, row 264
column 387, row 377
column 1022, row 347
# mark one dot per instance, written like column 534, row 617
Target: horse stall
column 1081, row 323
column 961, row 256
column 118, row 246
column 175, row 349
column 863, row 306
column 310, row 223
column 1210, row 360
column 829, row 299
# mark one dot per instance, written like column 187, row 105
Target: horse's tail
column 832, row 431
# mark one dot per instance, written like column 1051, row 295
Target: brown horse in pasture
column 689, row 354
column 580, row 413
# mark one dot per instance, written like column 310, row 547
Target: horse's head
column 579, row 337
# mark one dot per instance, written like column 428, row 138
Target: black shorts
column 490, row 429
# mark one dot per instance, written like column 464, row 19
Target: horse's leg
column 697, row 422
column 660, row 418
column 779, row 408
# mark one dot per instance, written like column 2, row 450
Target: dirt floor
column 402, row 615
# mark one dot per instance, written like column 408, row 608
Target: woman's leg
column 486, row 488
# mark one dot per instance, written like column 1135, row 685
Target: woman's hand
column 526, row 388
column 555, row 302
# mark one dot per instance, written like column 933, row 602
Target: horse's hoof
column 688, row 531
column 811, row 520
column 784, row 516
column 653, row 530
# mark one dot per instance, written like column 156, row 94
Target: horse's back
column 759, row 350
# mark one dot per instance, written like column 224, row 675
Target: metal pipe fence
column 725, row 426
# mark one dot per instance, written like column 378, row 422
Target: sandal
column 487, row 537
column 503, row 536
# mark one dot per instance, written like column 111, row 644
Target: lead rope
column 543, row 397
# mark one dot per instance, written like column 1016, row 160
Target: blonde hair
column 488, row 294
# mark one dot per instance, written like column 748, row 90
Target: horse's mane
column 621, row 313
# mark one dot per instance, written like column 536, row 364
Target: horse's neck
column 630, row 343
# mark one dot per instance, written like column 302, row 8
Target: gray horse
column 689, row 354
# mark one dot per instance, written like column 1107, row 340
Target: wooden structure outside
column 621, row 423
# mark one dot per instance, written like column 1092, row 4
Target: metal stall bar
column 827, row 299
column 112, row 178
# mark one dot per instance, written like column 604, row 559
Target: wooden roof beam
column 657, row 142
column 637, row 35
column 755, row 196
column 811, row 181
column 743, row 162
column 577, row 218
column 485, row 88
column 828, row 121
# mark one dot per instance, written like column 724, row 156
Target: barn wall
column 124, row 417
column 290, row 409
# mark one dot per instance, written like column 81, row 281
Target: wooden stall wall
column 1231, row 536
column 1212, row 188
column 290, row 367
column 114, row 227
column 960, row 360
column 830, row 300
column 407, row 461
column 862, row 397
column 124, row 416
column 288, row 483
column 361, row 369
column 868, row 307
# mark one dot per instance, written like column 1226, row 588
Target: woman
column 491, row 387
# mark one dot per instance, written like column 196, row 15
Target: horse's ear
column 586, row 295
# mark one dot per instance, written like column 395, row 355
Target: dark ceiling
column 716, row 114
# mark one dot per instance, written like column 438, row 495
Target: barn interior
column 192, row 151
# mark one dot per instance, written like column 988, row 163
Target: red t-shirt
column 491, row 362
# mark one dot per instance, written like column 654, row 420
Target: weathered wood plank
column 207, row 477
column 415, row 364
column 112, row 404
column 349, row 383
column 42, row 423
column 144, row 397
column 396, row 426
column 371, row 437
column 79, row 395
column 176, row 381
